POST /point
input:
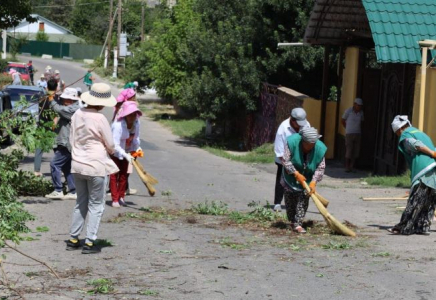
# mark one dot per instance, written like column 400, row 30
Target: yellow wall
column 313, row 110
column 430, row 103
column 349, row 82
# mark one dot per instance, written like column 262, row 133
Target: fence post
column 114, row 75
column 4, row 43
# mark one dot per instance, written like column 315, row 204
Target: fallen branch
column 5, row 282
column 37, row 260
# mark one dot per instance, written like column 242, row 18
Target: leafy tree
column 41, row 36
column 13, row 11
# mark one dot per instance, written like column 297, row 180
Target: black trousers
column 278, row 196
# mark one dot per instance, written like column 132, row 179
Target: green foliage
column 402, row 181
column 3, row 65
column 101, row 286
column 15, row 182
column 334, row 245
column 148, row 293
column 41, row 36
column 42, row 229
column 214, row 208
column 211, row 56
column 260, row 155
column 13, row 11
column 15, row 45
column 259, row 213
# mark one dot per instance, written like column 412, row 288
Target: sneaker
column 55, row 195
column 116, row 204
column 70, row 196
column 73, row 244
column 131, row 192
column 122, row 202
column 90, row 248
column 278, row 208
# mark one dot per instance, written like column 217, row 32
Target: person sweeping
column 125, row 131
column 417, row 148
column 303, row 161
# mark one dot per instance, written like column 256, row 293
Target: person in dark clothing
column 31, row 71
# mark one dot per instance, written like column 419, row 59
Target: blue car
column 12, row 94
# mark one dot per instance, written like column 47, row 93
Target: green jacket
column 87, row 79
column 314, row 158
column 419, row 163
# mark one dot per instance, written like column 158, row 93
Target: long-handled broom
column 148, row 185
column 331, row 221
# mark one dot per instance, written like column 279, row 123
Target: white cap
column 399, row 122
column 135, row 83
column 70, row 93
column 299, row 115
column 358, row 101
column 57, row 72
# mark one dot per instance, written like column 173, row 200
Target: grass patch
column 381, row 254
column 260, row 155
column 228, row 243
column 402, row 181
column 150, row 214
column 148, row 293
column 194, row 129
column 42, row 229
column 104, row 243
column 337, row 245
column 214, row 208
column 101, row 286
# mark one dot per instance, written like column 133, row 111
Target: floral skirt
column 419, row 212
column 297, row 203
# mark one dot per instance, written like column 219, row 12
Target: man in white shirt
column 288, row 127
column 41, row 82
column 352, row 121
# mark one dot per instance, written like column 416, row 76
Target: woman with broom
column 417, row 148
column 125, row 131
column 303, row 162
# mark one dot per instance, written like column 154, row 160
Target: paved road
column 193, row 175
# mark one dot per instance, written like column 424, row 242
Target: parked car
column 32, row 94
column 21, row 68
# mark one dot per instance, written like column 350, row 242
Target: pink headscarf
column 128, row 108
column 126, row 95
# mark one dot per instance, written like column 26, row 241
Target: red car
column 21, row 68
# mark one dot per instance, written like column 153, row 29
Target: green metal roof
column 398, row 25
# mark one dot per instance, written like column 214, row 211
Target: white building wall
column 34, row 27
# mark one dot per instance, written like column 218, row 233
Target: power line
column 81, row 4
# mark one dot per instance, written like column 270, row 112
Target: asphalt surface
column 189, row 260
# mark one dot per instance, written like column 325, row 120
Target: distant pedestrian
column 42, row 82
column 131, row 85
column 303, row 162
column 61, row 162
column 44, row 117
column 16, row 77
column 418, row 150
column 352, row 121
column 92, row 143
column 125, row 130
column 31, row 71
column 48, row 73
column 288, row 127
column 61, row 83
column 88, row 79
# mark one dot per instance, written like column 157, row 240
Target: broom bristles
column 151, row 190
column 331, row 221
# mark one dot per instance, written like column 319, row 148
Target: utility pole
column 120, row 4
column 142, row 20
column 111, row 23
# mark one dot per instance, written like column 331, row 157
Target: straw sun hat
column 99, row 95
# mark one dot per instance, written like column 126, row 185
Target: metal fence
column 76, row 51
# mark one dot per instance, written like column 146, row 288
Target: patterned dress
column 419, row 212
column 297, row 201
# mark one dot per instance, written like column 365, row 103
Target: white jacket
column 120, row 134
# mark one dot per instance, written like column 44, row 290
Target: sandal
column 393, row 231
column 299, row 229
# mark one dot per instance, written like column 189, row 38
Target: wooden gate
column 396, row 97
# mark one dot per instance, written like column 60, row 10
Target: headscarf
column 309, row 135
column 126, row 95
column 399, row 122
